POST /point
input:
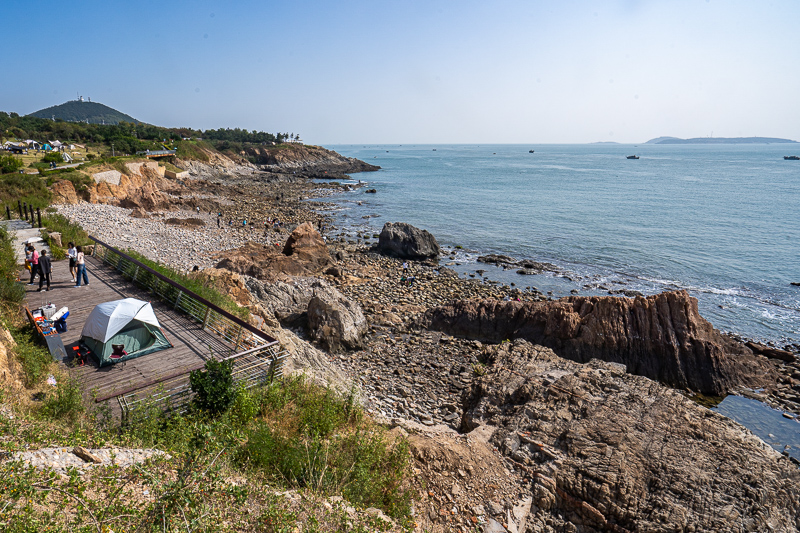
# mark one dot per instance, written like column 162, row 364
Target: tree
column 213, row 387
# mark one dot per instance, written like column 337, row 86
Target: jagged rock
column 334, row 320
column 307, row 255
column 662, row 336
column 617, row 452
column 398, row 239
column 86, row 455
column 139, row 213
column 306, row 244
column 64, row 192
column 772, row 353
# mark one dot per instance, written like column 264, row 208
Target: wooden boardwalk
column 191, row 344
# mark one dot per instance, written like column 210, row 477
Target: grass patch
column 23, row 188
column 70, row 232
column 79, row 180
column 317, row 439
column 65, row 403
column 193, row 150
column 206, row 290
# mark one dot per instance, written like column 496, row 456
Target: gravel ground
column 176, row 246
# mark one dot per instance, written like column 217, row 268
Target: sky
column 433, row 71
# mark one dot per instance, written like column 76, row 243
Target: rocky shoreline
column 507, row 435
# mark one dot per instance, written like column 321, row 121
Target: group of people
column 40, row 265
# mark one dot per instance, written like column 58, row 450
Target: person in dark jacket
column 44, row 270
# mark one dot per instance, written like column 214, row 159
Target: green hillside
column 81, row 111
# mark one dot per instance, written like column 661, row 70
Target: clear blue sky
column 418, row 71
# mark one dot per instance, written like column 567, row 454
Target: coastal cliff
column 306, row 159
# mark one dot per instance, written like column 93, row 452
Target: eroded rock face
column 225, row 282
column 617, row 452
column 398, row 239
column 662, row 336
column 335, row 321
column 64, row 192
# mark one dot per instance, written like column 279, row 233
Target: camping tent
column 129, row 322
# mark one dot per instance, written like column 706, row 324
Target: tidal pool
column 769, row 424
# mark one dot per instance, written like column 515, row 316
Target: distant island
column 81, row 110
column 720, row 140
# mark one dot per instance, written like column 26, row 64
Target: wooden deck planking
column 191, row 345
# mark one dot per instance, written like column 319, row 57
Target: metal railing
column 257, row 357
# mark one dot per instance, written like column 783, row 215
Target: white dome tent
column 129, row 324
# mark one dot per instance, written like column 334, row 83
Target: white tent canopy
column 108, row 319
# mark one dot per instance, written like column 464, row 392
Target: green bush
column 213, row 386
column 66, row 403
column 11, row 291
column 79, row 180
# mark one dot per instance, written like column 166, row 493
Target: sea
column 721, row 221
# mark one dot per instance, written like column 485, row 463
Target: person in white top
column 72, row 253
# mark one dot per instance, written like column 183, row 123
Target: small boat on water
column 530, row 151
column 792, row 157
column 632, row 157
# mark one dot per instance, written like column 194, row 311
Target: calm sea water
column 722, row 222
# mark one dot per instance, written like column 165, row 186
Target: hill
column 82, row 111
column 719, row 140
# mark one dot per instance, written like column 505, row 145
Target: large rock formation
column 662, row 337
column 335, row 321
column 398, row 239
column 608, row 451
column 305, row 254
column 305, row 159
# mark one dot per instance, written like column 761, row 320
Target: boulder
column 398, row 239
column 55, row 238
column 139, row 213
column 610, row 451
column 335, row 321
column 64, row 192
column 306, row 244
column 662, row 337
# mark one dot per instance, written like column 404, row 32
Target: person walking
column 72, row 254
column 34, row 263
column 80, row 261
column 45, row 268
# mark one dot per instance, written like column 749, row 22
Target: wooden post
column 19, row 205
column 8, row 212
column 25, row 208
column 39, row 216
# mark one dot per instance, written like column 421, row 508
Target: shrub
column 316, row 438
column 70, row 231
column 213, row 386
column 66, row 403
column 9, row 164
column 53, row 157
column 34, row 359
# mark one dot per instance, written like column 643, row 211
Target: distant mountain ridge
column 83, row 111
column 719, row 140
